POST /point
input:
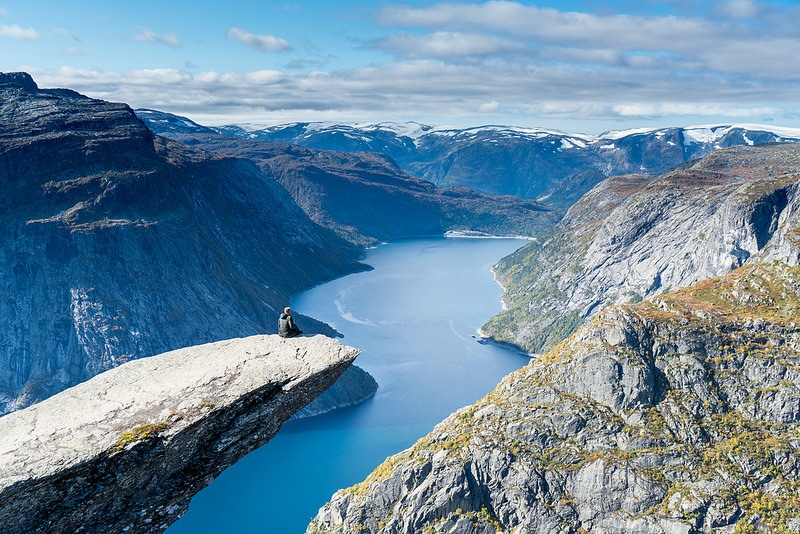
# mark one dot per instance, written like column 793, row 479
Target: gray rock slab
column 127, row 449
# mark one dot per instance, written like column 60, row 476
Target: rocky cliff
column 126, row 450
column 678, row 414
column 636, row 236
column 118, row 244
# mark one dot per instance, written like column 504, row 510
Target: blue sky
column 579, row 66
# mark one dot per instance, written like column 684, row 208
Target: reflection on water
column 415, row 318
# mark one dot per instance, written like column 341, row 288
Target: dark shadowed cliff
column 117, row 244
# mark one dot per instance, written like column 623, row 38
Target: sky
column 576, row 66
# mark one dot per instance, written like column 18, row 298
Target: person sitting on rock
column 286, row 324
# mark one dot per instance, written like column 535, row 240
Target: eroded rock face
column 633, row 237
column 678, row 414
column 126, row 450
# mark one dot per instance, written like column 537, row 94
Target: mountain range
column 546, row 165
column 364, row 196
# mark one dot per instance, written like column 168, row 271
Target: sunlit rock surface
column 633, row 237
column 126, row 450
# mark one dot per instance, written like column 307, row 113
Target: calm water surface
column 414, row 317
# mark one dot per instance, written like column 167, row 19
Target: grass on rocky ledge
column 767, row 292
column 139, row 433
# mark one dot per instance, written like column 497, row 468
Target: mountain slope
column 677, row 414
column 636, row 236
column 118, row 244
column 364, row 197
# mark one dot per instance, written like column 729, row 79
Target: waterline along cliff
column 126, row 450
column 636, row 236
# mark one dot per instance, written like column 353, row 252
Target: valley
column 659, row 291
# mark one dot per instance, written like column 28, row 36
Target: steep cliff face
column 116, row 244
column 678, row 414
column 365, row 197
column 126, row 450
column 633, row 237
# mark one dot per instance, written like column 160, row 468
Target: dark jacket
column 287, row 326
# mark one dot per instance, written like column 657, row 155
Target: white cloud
column 672, row 44
column 446, row 45
column 66, row 33
column 499, row 59
column 414, row 89
column 689, row 108
column 17, row 32
column 489, row 107
column 740, row 9
column 264, row 43
column 149, row 36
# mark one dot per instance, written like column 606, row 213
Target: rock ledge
column 126, row 450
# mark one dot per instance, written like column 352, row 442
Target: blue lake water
column 415, row 318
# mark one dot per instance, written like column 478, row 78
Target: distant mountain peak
column 21, row 80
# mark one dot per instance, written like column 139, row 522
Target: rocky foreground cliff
column 126, row 450
column 678, row 414
column 676, row 410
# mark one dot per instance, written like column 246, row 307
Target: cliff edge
column 126, row 450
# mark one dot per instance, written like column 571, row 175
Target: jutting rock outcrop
column 678, row 414
column 126, row 450
column 632, row 237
